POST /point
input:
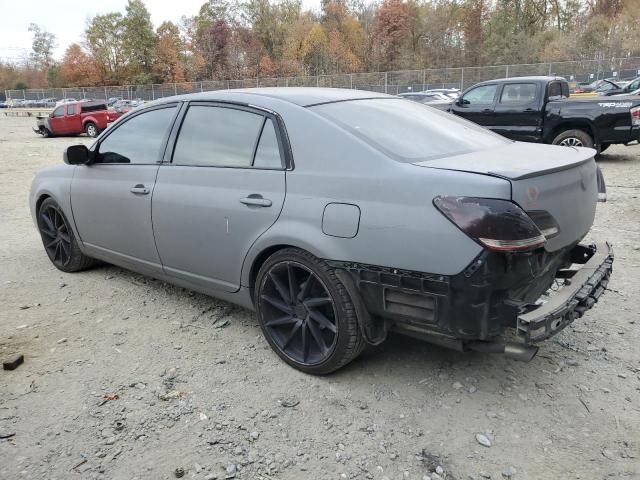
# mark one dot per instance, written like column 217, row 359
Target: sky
column 67, row 19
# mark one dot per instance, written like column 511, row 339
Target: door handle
column 255, row 199
column 485, row 110
column 140, row 189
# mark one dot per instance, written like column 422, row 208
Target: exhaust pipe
column 517, row 351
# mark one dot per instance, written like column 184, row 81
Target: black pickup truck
column 538, row 109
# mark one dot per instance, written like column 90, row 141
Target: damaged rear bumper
column 583, row 286
column 496, row 294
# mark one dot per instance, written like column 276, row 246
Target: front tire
column 574, row 138
column 306, row 313
column 58, row 239
column 91, row 129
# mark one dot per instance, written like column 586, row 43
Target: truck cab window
column 518, row 93
column 482, row 95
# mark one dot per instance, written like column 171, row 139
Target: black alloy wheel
column 55, row 235
column 58, row 239
column 299, row 313
column 306, row 312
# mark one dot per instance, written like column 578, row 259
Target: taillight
column 498, row 225
column 635, row 116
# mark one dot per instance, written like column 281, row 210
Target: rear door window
column 268, row 152
column 71, row 109
column 220, row 136
column 518, row 93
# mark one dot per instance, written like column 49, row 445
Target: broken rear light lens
column 498, row 225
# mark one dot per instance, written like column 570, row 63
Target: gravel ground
column 128, row 377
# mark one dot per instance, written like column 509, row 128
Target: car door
column 518, row 112
column 111, row 197
column 56, row 121
column 73, row 119
column 224, row 187
column 477, row 104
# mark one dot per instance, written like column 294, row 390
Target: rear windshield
column 408, row 131
column 93, row 107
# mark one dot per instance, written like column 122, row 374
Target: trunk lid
column 558, row 180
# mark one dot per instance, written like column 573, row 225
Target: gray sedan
column 338, row 216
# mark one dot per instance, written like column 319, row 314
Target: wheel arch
column 583, row 125
column 41, row 198
column 287, row 234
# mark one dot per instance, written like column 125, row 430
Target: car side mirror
column 77, row 155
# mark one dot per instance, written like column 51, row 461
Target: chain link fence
column 387, row 82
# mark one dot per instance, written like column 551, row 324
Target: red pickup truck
column 73, row 118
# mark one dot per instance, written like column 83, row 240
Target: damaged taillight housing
column 498, row 225
column 635, row 116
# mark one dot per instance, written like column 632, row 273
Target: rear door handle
column 255, row 199
column 140, row 189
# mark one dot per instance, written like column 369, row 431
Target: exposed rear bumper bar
column 581, row 291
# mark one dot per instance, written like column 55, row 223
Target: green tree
column 138, row 41
column 270, row 22
column 42, row 46
column 104, row 39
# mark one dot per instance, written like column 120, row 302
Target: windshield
column 408, row 131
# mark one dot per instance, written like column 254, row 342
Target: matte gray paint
column 202, row 230
column 398, row 227
column 341, row 220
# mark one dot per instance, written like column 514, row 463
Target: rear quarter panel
column 399, row 226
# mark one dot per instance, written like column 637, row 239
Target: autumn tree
column 169, row 64
column 345, row 36
column 213, row 44
column 78, row 68
column 390, row 32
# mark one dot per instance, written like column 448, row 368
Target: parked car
column 425, row 97
column 74, row 118
column 113, row 100
column 627, row 89
column 338, row 215
column 537, row 109
column 65, row 100
column 449, row 92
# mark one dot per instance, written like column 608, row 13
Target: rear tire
column 574, row 138
column 58, row 239
column 91, row 129
column 306, row 313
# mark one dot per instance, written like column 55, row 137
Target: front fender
column 54, row 182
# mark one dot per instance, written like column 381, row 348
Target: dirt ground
column 126, row 377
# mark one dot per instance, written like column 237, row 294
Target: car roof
column 540, row 78
column 302, row 96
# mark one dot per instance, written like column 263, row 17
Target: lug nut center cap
column 300, row 311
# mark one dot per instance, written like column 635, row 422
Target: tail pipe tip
column 516, row 351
